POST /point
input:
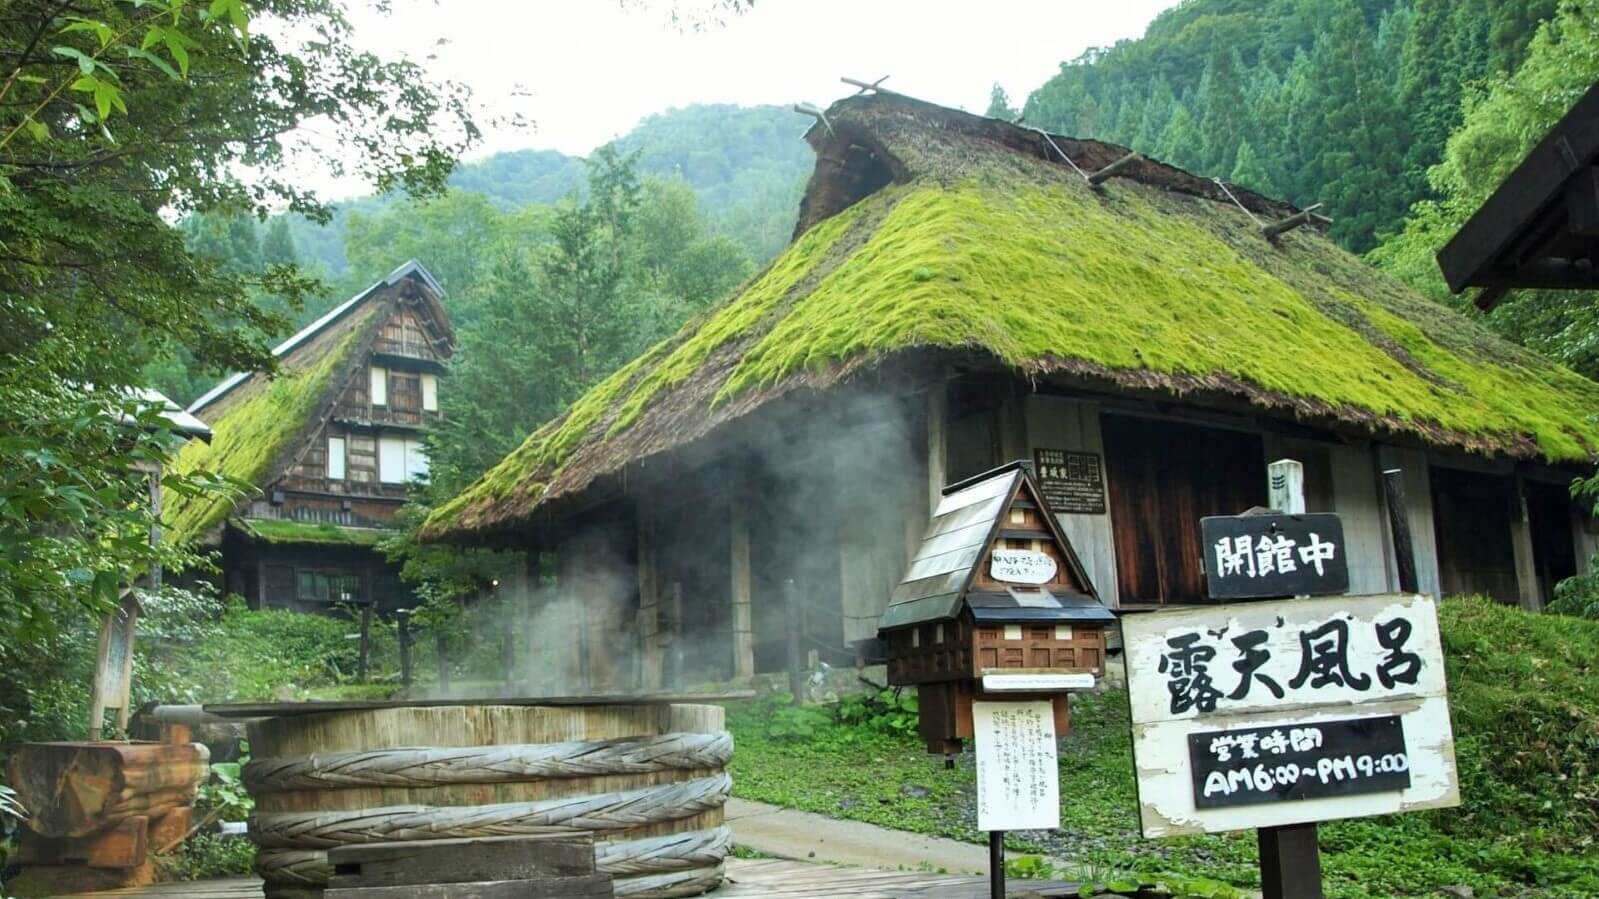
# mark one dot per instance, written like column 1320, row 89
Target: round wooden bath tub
column 648, row 780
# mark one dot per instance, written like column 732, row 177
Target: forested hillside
column 1400, row 116
column 745, row 164
column 1342, row 102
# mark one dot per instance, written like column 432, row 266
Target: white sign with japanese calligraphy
column 1018, row 782
column 1021, row 566
column 1270, row 713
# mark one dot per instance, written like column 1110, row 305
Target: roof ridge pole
column 816, row 113
column 1106, row 173
column 876, row 86
column 1303, row 217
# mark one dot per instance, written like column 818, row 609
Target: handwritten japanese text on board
column 1240, row 674
column 1071, row 482
column 1251, row 556
column 1018, row 783
column 1021, row 566
column 1277, row 764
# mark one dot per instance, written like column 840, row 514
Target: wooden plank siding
column 1163, row 477
column 1060, row 423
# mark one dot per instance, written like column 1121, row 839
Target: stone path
column 786, row 833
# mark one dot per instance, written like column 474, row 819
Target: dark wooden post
column 1290, row 862
column 1290, row 859
column 796, row 674
column 1393, row 485
column 366, row 641
column 404, row 618
column 996, row 864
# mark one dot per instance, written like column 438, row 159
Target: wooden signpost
column 994, row 622
column 1278, row 714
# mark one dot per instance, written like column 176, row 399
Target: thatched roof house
column 329, row 445
column 958, row 282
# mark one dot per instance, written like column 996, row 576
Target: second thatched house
column 959, row 294
column 328, row 446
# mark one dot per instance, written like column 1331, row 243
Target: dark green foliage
column 206, row 856
column 1343, row 102
column 1579, row 595
column 746, row 166
column 1524, row 690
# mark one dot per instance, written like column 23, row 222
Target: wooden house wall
column 405, row 334
column 1054, row 422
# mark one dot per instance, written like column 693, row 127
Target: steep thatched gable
column 259, row 424
column 925, row 228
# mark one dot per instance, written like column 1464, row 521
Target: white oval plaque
column 1021, row 566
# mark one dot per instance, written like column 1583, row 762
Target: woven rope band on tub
column 603, row 813
column 424, row 767
column 674, row 853
column 666, row 886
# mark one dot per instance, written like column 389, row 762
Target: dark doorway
column 1554, row 550
column 1165, row 476
column 1472, row 515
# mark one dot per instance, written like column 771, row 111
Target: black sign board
column 1071, row 482
column 1253, row 556
column 1299, row 761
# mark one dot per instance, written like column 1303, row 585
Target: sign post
column 1281, row 712
column 1018, row 780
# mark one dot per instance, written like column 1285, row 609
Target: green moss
column 248, row 438
column 277, row 530
column 998, row 252
column 1034, row 273
column 737, row 318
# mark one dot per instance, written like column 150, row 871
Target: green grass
column 1525, row 697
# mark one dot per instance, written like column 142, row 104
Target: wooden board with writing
column 1018, row 780
column 1271, row 713
column 1072, row 482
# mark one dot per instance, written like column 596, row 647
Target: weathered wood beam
column 1109, row 171
column 867, row 85
column 814, row 112
column 1273, row 230
column 1522, row 553
column 743, row 619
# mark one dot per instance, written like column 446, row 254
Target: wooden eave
column 1540, row 227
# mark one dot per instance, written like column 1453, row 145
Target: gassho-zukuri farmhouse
column 958, row 295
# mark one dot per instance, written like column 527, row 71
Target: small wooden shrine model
column 994, row 593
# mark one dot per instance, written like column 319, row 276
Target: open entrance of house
column 1472, row 512
column 1554, row 550
column 1164, row 476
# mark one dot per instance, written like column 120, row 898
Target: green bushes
column 1579, row 596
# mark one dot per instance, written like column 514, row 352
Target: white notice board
column 1263, row 714
column 1018, row 782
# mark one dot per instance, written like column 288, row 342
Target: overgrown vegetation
column 1524, row 690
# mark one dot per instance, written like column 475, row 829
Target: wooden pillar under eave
column 649, row 618
column 1527, row 592
column 937, row 458
column 743, row 620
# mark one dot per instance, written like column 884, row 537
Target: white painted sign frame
column 1160, row 735
column 1015, row 761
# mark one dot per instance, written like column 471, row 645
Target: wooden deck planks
column 747, row 879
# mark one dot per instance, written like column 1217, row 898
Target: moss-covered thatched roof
column 259, row 424
column 278, row 530
column 926, row 228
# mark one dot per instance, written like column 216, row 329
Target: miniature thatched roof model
column 927, row 229
column 938, row 582
column 259, row 423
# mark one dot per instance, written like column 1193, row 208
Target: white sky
column 586, row 71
